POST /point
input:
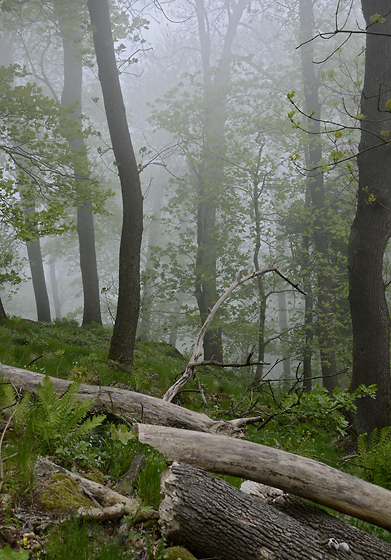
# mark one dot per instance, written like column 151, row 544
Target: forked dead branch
column 197, row 351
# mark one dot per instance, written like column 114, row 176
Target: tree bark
column 316, row 187
column 211, row 172
column 130, row 406
column 72, row 95
column 215, row 520
column 54, row 287
column 318, row 519
column 371, row 229
column 128, row 307
column 39, row 282
column 153, row 238
column 298, row 475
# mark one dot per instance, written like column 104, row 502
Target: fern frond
column 75, row 415
column 87, row 426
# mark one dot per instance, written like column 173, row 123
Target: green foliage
column 86, row 540
column 149, row 481
column 61, row 420
column 35, row 193
column 8, row 554
column 322, row 410
column 374, row 452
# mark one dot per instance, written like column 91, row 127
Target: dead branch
column 197, row 351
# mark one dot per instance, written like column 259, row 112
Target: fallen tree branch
column 197, row 351
column 297, row 475
column 127, row 405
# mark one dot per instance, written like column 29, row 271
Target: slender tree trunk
column 72, row 95
column 316, row 187
column 54, row 286
column 308, row 308
column 261, row 289
column 371, row 228
column 211, row 174
column 283, row 324
column 123, row 340
column 175, row 318
column 145, row 315
column 39, row 282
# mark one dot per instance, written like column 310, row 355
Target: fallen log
column 215, row 520
column 318, row 519
column 127, row 405
column 297, row 475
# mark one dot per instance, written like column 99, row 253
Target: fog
column 215, row 94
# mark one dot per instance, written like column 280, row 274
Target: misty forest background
column 245, row 120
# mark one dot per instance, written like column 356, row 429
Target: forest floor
column 33, row 526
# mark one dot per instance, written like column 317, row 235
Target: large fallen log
column 318, row 519
column 215, row 520
column 128, row 405
column 297, row 475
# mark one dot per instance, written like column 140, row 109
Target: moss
column 96, row 476
column 62, row 494
column 178, row 553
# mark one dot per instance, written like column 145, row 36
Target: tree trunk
column 128, row 307
column 213, row 519
column 298, row 475
column 175, row 318
column 316, row 187
column 39, row 282
column 308, row 307
column 283, row 324
column 153, row 238
column 211, row 172
column 3, row 314
column 371, row 229
column 124, row 404
column 54, row 286
column 72, row 95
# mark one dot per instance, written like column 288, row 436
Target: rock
column 127, row 484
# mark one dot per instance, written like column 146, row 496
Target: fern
column 375, row 456
column 60, row 419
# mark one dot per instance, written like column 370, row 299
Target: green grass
column 66, row 350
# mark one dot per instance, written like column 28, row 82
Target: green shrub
column 375, row 456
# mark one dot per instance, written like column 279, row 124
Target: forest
column 194, row 224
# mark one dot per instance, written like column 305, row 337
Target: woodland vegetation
column 194, row 170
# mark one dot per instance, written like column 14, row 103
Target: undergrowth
column 311, row 425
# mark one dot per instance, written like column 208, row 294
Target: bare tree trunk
column 308, row 308
column 283, row 323
column 72, row 95
column 371, row 228
column 127, row 405
column 216, row 520
column 211, row 173
column 54, row 286
column 316, row 187
column 39, row 282
column 145, row 315
column 175, row 317
column 124, row 335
